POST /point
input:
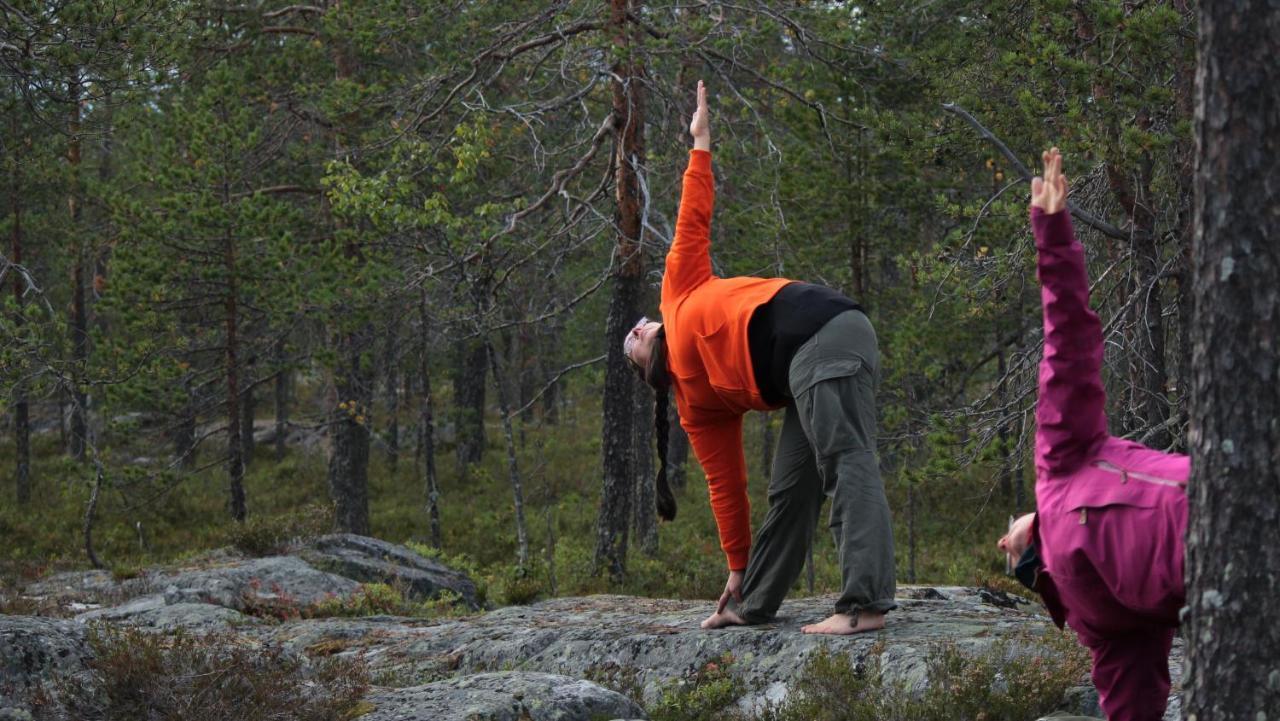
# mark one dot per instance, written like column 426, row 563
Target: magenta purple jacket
column 1111, row 513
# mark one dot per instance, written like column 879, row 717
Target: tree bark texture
column 1233, row 560
column 628, row 288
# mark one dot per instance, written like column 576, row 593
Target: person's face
column 1018, row 538
column 638, row 345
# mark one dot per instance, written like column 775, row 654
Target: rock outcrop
column 558, row 659
column 370, row 560
column 502, row 696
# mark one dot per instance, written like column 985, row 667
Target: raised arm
column 1071, row 408
column 689, row 260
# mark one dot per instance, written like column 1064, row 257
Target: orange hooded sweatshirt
column 705, row 319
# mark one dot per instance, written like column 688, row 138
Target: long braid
column 666, row 499
column 654, row 374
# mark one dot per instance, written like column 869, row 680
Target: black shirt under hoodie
column 779, row 327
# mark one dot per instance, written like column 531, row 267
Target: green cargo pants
column 827, row 448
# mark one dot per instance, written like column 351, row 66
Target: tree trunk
column 281, row 399
column 513, row 468
column 79, row 312
column 391, row 387
column 248, row 409
column 21, row 407
column 349, row 433
column 628, row 287
column 353, row 377
column 427, row 429
column 470, row 361
column 645, row 512
column 1233, row 561
column 235, row 444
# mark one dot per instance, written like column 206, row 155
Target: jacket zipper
column 1125, row 475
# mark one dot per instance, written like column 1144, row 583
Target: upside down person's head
column 1018, row 538
column 645, row 347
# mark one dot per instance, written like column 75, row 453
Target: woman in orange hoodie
column 732, row 345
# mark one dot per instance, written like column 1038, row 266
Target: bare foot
column 724, row 618
column 844, row 624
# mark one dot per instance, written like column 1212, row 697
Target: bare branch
column 1085, row 217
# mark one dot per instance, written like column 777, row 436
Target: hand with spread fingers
column 1050, row 192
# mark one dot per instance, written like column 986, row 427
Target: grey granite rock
column 94, row 586
column 502, row 696
column 373, row 561
column 278, row 579
column 34, row 652
column 153, row 612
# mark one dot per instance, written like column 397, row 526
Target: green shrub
column 1018, row 678
column 138, row 675
column 706, row 695
column 380, row 599
column 269, row 535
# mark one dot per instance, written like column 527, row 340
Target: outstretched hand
column 1050, row 192
column 700, row 126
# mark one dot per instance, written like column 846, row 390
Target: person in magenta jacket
column 1111, row 513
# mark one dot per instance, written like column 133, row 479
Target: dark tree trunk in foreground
column 628, row 287
column 1233, row 560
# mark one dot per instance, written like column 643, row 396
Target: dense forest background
column 272, row 267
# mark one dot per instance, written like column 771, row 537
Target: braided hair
column 654, row 373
